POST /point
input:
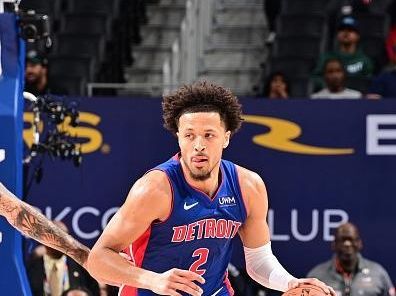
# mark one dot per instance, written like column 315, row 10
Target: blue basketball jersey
column 197, row 234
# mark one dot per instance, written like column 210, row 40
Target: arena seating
column 300, row 30
column 92, row 39
column 302, row 35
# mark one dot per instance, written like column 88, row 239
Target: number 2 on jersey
column 202, row 254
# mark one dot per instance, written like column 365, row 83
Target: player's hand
column 174, row 280
column 312, row 281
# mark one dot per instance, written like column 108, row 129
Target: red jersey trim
column 136, row 251
column 240, row 190
column 228, row 284
column 172, row 193
column 127, row 291
column 177, row 157
column 139, row 247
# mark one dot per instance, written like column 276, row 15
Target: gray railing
column 187, row 55
column 187, row 52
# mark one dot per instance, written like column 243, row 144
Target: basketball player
column 182, row 215
column 32, row 223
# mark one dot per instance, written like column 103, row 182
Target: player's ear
column 227, row 139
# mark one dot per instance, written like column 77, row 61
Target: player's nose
column 199, row 144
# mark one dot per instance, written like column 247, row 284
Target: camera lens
column 29, row 31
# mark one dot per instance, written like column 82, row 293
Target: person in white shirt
column 334, row 76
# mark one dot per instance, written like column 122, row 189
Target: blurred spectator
column 106, row 290
column 54, row 273
column 348, row 272
column 277, row 86
column 334, row 76
column 337, row 8
column 272, row 9
column 355, row 62
column 384, row 85
column 78, row 291
column 38, row 252
column 36, row 75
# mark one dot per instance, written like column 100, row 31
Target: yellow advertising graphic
column 282, row 134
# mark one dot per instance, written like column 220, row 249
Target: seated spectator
column 384, row 85
column 54, row 273
column 78, row 291
column 277, row 86
column 36, row 75
column 348, row 272
column 355, row 62
column 334, row 76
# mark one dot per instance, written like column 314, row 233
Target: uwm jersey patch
column 197, row 235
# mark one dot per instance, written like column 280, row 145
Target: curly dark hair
column 202, row 96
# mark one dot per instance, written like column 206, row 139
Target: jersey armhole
column 156, row 222
column 240, row 191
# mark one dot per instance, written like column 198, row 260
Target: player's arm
column 261, row 264
column 149, row 200
column 32, row 223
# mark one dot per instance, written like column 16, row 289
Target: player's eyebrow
column 210, row 130
column 205, row 130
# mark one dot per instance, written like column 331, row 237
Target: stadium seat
column 292, row 67
column 302, row 24
column 303, row 6
column 93, row 23
column 298, row 46
column 373, row 25
column 74, row 85
column 72, row 65
column 98, row 6
column 300, row 87
column 358, row 83
column 81, row 44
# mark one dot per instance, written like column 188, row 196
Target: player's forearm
column 108, row 265
column 32, row 223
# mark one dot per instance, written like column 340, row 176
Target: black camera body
column 34, row 26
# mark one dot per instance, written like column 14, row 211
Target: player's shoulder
column 248, row 177
column 253, row 190
column 252, row 187
column 150, row 196
column 153, row 183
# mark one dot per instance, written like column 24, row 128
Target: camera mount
column 52, row 139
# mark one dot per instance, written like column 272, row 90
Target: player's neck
column 208, row 186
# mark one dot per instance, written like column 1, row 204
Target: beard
column 199, row 176
column 31, row 86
